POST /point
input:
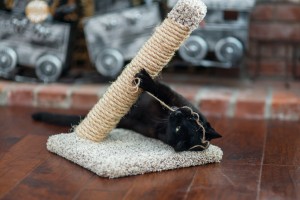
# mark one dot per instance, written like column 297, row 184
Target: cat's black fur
column 148, row 117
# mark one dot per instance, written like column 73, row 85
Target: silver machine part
column 117, row 36
column 109, row 62
column 225, row 32
column 194, row 49
column 31, row 41
column 8, row 61
column 229, row 49
column 48, row 68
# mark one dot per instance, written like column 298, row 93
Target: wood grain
column 280, row 182
column 283, row 143
column 242, row 140
column 20, row 160
column 56, row 178
column 261, row 161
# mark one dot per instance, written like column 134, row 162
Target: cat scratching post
column 154, row 55
column 123, row 152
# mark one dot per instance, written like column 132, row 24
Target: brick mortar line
column 5, row 94
column 68, row 101
column 268, row 104
column 64, row 105
column 201, row 92
column 232, row 104
column 35, row 95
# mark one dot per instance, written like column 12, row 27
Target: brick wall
column 274, row 20
column 250, row 103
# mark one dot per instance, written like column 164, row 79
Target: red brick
column 263, row 12
column 252, row 49
column 54, row 95
column 286, row 105
column 85, row 97
column 269, row 67
column 280, row 51
column 274, row 51
column 21, row 94
column 250, row 104
column 287, row 12
column 215, row 102
column 189, row 92
column 275, row 31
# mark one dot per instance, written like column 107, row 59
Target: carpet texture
column 126, row 153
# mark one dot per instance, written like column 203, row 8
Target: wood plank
column 56, row 178
column 28, row 171
column 98, row 194
column 219, row 193
column 225, row 181
column 6, row 142
column 102, row 187
column 283, row 143
column 17, row 122
column 20, row 160
column 280, row 182
column 172, row 184
column 242, row 141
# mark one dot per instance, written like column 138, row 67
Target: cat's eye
column 177, row 128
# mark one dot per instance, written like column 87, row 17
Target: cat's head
column 185, row 131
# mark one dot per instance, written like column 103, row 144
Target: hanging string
column 137, row 82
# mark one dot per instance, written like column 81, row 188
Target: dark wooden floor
column 261, row 161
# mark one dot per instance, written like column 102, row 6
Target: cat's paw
column 146, row 82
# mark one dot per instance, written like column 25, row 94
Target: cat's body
column 178, row 128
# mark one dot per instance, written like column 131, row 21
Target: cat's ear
column 211, row 133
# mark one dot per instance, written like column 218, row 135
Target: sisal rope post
column 153, row 56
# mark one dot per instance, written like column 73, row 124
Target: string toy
column 137, row 82
column 153, row 56
column 124, row 152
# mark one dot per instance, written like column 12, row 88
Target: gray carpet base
column 126, row 153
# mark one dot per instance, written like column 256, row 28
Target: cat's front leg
column 156, row 88
column 146, row 82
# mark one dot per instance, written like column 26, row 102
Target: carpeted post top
column 188, row 13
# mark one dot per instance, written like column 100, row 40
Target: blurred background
column 244, row 51
column 238, row 39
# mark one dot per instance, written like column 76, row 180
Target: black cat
column 182, row 127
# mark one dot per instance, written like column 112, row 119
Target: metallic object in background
column 115, row 37
column 222, row 41
column 106, row 6
column 34, row 42
column 194, row 49
column 8, row 61
column 229, row 49
column 48, row 68
column 109, row 62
